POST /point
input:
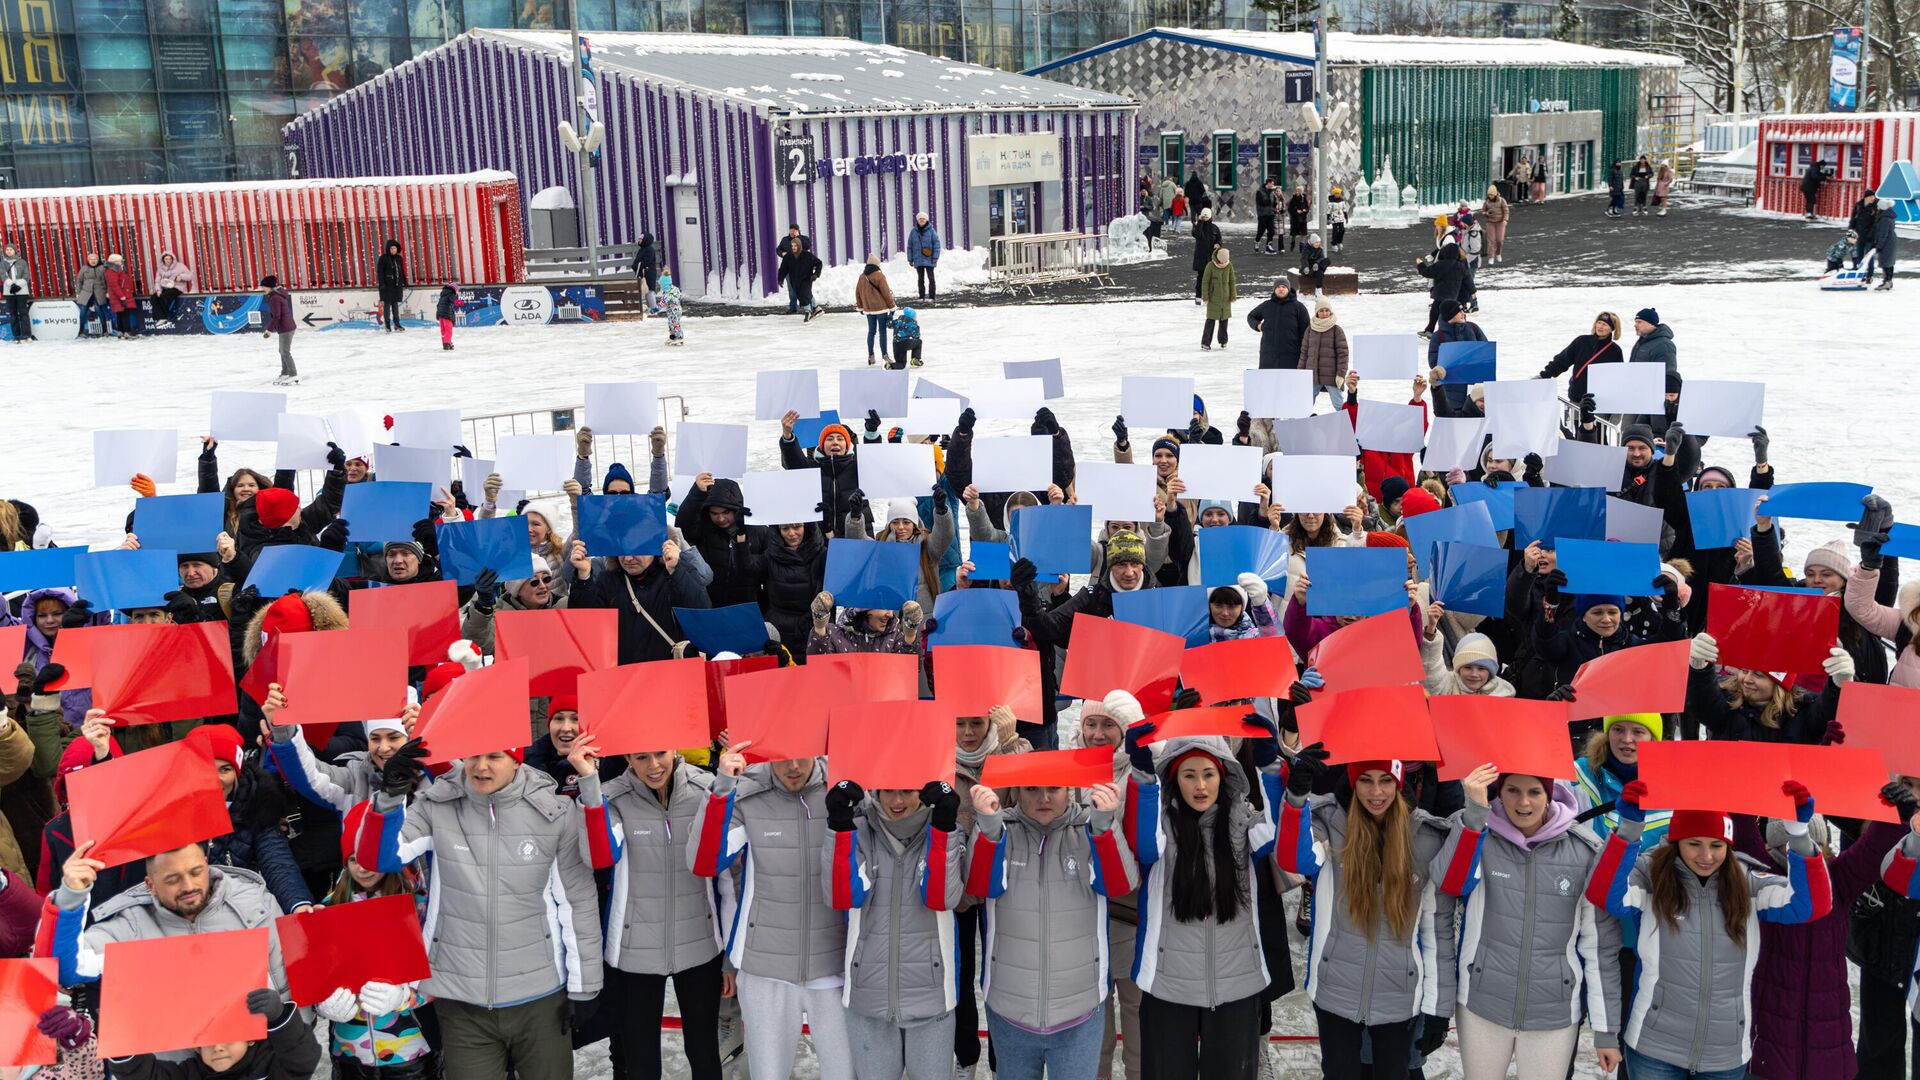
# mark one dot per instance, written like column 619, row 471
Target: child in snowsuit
column 906, row 339
column 1337, row 218
column 448, row 302
column 670, row 302
column 1841, row 251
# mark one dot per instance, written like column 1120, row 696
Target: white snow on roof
column 819, row 76
column 1407, row 49
column 1776, row 117
column 478, row 177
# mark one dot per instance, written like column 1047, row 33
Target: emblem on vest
column 527, row 851
column 1564, row 886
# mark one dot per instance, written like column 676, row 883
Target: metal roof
column 1400, row 50
column 814, row 75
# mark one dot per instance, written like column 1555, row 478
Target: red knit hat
column 1700, row 824
column 560, row 703
column 276, row 506
column 1417, row 501
column 1387, row 539
column 287, row 615
column 439, row 676
column 1393, row 768
column 217, row 741
column 1195, row 752
column 78, row 755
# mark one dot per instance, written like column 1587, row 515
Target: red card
column 347, row 945
column 1248, row 668
column 640, row 708
column 159, row 799
column 13, row 645
column 1772, row 631
column 478, row 713
column 342, row 676
column 560, row 645
column 1226, row 721
column 1086, row 767
column 264, row 671
column 891, row 744
column 73, row 650
column 1845, row 780
column 27, row 989
column 870, row 676
column 1515, row 734
column 783, row 712
column 1379, row 651
column 177, row 993
column 1108, row 655
column 151, row 674
column 1728, row 777
column 429, row 613
column 1643, row 679
column 1371, row 723
column 717, row 673
column 1886, row 718
column 974, row 678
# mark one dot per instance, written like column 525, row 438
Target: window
column 1226, row 161
column 1856, row 162
column 1802, row 158
column 1777, row 159
column 1273, row 156
column 1173, row 154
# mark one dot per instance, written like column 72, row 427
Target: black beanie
column 1636, row 433
column 1392, row 488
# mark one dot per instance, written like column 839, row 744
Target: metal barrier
column 1026, row 260
column 572, row 264
column 1570, row 421
column 482, row 435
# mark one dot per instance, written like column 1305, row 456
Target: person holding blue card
column 1567, row 636
column 1450, row 399
column 864, row 630
column 903, row 526
column 796, row 568
column 644, row 590
column 1241, row 610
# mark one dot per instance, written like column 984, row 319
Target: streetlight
column 585, row 100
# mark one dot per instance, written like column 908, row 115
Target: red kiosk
column 1857, row 147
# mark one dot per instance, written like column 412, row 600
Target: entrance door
column 689, row 271
column 1013, row 209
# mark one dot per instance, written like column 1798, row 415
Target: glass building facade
column 183, row 91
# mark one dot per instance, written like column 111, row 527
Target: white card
column 1276, row 393
column 534, row 462
column 1046, row 370
column 1719, row 407
column 872, row 390
column 781, row 497
column 1327, row 433
column 896, row 470
column 1012, row 463
column 631, row 408
column 302, row 442
column 473, row 479
column 1454, row 442
column 416, row 464
column 1524, row 427
column 1157, row 401
column 1521, row 392
column 353, row 431
column 1313, row 483
column 438, row 428
column 1220, row 472
column 246, row 416
column 1387, row 356
column 1116, row 492
column 1631, row 523
column 932, row 415
column 120, row 453
column 927, row 388
column 1394, row 429
column 1578, row 464
column 720, row 449
column 1628, row 388
column 777, row 393
column 1006, row 399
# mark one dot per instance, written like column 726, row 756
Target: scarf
column 1626, row 773
column 1320, row 325
column 968, row 762
column 900, row 832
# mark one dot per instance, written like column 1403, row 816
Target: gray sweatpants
column 881, row 1050
column 286, row 353
column 774, row 1009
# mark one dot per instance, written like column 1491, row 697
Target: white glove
column 1839, row 666
column 1703, row 652
column 1255, row 588
column 1795, row 827
column 379, row 999
column 339, row 1007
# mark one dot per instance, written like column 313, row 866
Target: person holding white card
column 1598, row 346
column 833, row 456
column 1324, row 352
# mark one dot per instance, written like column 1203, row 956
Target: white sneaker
column 287, row 380
column 731, row 1038
column 963, row 1072
column 1265, row 1069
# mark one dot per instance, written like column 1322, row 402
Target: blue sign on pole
column 1843, row 80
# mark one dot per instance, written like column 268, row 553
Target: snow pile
column 817, row 76
column 890, row 73
column 1127, row 241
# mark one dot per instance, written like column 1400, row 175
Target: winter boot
column 447, row 346
column 869, row 359
column 1886, row 285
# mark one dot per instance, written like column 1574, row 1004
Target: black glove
column 397, row 776
column 1563, row 692
column 580, row 1014
column 49, row 672
column 856, row 501
column 244, row 603
column 940, row 797
column 1140, row 756
column 1022, row 574
column 461, row 451
column 1263, row 751
column 1760, row 444
column 336, row 457
column 1533, row 466
column 1119, row 431
column 423, row 530
column 843, row 799
column 1044, row 422
column 80, row 614
column 1871, row 531
column 939, row 499
column 1299, row 693
column 1586, row 409
column 1187, row 698
column 1902, row 799
column 1308, row 766
column 1675, row 438
column 1551, row 583
column 182, row 608
column 1669, row 592
column 873, row 421
column 268, row 1003
column 1433, row 1034
column 1244, row 425
column 966, row 421
column 484, row 584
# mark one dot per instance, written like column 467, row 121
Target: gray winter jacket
column 1206, row 962
column 238, row 900
column 1046, row 889
column 1365, row 974
column 899, row 897
column 785, row 929
column 511, row 913
column 1530, row 941
column 13, row 271
column 90, row 285
column 352, row 781
column 660, row 919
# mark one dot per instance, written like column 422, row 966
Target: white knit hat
column 1123, row 707
column 902, row 508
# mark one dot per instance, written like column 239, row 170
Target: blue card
column 736, row 628
column 1470, row 578
column 623, row 524
column 1548, row 514
column 974, row 617
column 807, row 429
column 499, row 544
column 1180, row 611
column 1903, row 542
column 1825, row 500
column 1356, row 580
column 1227, row 551
column 991, row 561
column 872, row 573
column 1720, row 516
column 126, row 579
column 379, row 511
column 301, row 567
column 1471, row 523
column 1057, row 539
column 50, row 568
column 1469, row 362
column 1498, row 500
column 180, row 522
column 1600, row 567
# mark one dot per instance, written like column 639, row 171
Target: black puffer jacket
column 256, row 842
column 1807, row 724
column 839, row 478
column 648, row 629
column 1449, row 273
column 735, row 555
column 1282, row 323
column 793, row 578
column 390, row 271
column 1206, row 237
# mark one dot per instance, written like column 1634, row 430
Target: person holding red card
column 289, row 1051
column 1700, row 906
column 552, row 753
column 1735, row 703
column 976, row 738
column 640, row 826
column 257, row 808
column 787, row 943
column 352, row 777
column 644, row 589
column 1100, row 726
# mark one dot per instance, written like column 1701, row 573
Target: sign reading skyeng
column 1015, row 159
column 1843, row 80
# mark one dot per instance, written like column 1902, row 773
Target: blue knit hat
column 617, row 471
column 1587, row 601
column 1649, row 315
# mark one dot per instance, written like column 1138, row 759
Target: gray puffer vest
column 238, row 900
column 660, row 918
column 900, row 932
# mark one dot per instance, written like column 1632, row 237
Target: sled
column 1845, row 280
